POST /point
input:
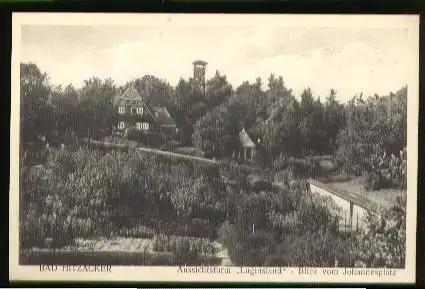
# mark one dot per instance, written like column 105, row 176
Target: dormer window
column 121, row 109
column 140, row 110
column 133, row 110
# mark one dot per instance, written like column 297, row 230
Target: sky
column 349, row 60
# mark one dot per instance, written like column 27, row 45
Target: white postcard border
column 410, row 22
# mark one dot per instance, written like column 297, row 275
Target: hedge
column 117, row 258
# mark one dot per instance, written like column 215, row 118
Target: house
column 245, row 148
column 133, row 111
column 351, row 208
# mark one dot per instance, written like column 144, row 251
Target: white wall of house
column 355, row 215
column 359, row 214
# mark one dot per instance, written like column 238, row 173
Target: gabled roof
column 129, row 95
column 163, row 116
column 245, row 140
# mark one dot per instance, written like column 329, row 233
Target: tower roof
column 199, row 62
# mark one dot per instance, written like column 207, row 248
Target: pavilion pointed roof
column 245, row 139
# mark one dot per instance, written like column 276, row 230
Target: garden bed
column 117, row 258
column 160, row 251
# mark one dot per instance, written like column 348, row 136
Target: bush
column 137, row 232
column 252, row 250
column 373, row 181
column 147, row 138
column 183, row 245
column 89, row 193
column 302, row 168
column 263, row 186
column 383, row 243
column 312, row 249
column 66, row 257
column 386, row 170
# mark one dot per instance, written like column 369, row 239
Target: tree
column 96, row 109
column 377, row 121
column 216, row 132
column 334, row 120
column 155, row 91
column 218, row 90
column 280, row 131
column 249, row 104
column 64, row 104
column 34, row 95
column 190, row 104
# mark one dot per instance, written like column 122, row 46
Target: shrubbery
column 284, row 227
column 172, row 243
column 383, row 244
column 375, row 140
column 89, row 193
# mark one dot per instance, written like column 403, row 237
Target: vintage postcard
column 234, row 148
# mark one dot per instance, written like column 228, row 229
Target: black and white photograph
column 232, row 148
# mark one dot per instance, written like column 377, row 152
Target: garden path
column 222, row 253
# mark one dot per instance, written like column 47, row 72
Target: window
column 121, row 125
column 145, row 125
column 140, row 110
column 121, row 109
column 139, row 125
column 133, row 110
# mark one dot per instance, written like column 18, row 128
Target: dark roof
column 245, row 140
column 163, row 116
column 201, row 62
column 356, row 199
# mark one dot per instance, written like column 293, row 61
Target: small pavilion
column 246, row 147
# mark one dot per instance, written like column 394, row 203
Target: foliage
column 96, row 112
column 215, row 133
column 155, row 91
column 284, row 227
column 82, row 193
column 378, row 122
column 183, row 245
column 318, row 248
column 87, row 193
column 387, row 170
column 35, row 113
column 383, row 244
column 145, row 137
